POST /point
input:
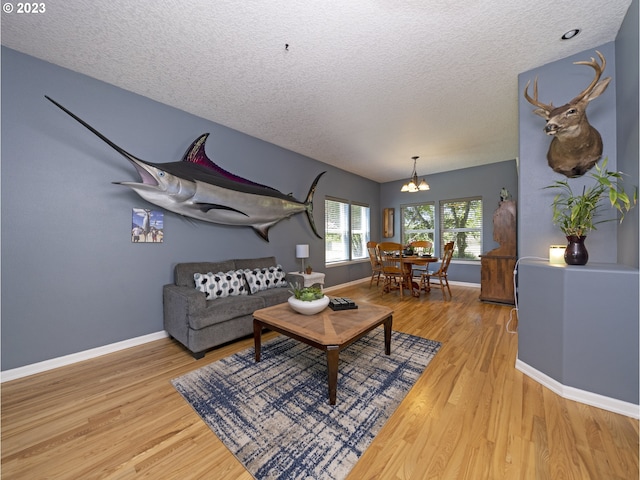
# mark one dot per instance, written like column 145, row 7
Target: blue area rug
column 275, row 417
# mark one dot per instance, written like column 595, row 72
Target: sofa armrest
column 293, row 278
column 185, row 299
column 178, row 304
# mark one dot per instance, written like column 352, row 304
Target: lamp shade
column 302, row 251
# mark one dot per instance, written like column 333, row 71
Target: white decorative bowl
column 308, row 308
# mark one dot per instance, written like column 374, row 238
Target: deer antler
column 598, row 68
column 534, row 101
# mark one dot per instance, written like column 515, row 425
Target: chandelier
column 413, row 186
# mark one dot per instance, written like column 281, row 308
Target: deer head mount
column 576, row 146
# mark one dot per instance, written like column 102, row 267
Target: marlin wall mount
column 197, row 187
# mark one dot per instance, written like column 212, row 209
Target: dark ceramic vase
column 576, row 253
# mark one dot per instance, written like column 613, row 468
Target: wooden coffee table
column 330, row 331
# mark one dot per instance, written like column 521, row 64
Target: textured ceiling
column 364, row 84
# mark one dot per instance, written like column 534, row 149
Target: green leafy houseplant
column 575, row 214
column 306, row 294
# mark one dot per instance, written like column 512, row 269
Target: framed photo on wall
column 147, row 226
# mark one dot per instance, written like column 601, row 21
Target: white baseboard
column 348, row 284
column 464, row 284
column 39, row 367
column 582, row 396
column 367, row 279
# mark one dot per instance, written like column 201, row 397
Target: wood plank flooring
column 471, row 415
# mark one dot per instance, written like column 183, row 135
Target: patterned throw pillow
column 221, row 284
column 255, row 280
column 279, row 277
column 230, row 284
column 205, row 283
column 264, row 278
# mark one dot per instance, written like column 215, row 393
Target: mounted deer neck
column 576, row 146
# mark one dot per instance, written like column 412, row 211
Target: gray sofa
column 201, row 324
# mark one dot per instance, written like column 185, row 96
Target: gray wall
column 568, row 332
column 559, row 82
column 71, row 278
column 627, row 101
column 569, row 313
column 484, row 181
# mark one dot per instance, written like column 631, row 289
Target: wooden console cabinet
column 496, row 278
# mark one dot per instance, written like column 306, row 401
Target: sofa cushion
column 273, row 296
column 225, row 309
column 251, row 263
column 183, row 272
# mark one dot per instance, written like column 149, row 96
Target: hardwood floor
column 471, row 415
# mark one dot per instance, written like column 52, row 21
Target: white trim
column 464, row 284
column 462, row 261
column 343, row 263
column 582, row 396
column 366, row 279
column 39, row 367
column 348, row 284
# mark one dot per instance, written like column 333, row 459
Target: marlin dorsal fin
column 196, row 154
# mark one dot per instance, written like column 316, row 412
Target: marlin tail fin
column 309, row 204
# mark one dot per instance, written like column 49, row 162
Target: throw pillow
column 278, row 277
column 221, row 284
column 229, row 284
column 205, row 283
column 255, row 280
column 265, row 278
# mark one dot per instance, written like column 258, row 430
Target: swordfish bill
column 197, row 187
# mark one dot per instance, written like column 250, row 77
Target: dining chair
column 441, row 274
column 376, row 266
column 420, row 247
column 393, row 271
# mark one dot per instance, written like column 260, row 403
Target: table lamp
column 556, row 254
column 302, row 252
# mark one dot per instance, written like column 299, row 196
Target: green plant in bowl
column 306, row 294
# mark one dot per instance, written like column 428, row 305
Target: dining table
column 407, row 264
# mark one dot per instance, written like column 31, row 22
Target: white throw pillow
column 278, row 277
column 260, row 279
column 255, row 279
column 221, row 284
column 205, row 283
column 230, row 284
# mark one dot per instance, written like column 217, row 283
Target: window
column 418, row 222
column 461, row 221
column 347, row 231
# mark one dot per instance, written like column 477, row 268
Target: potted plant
column 309, row 269
column 307, row 300
column 576, row 214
